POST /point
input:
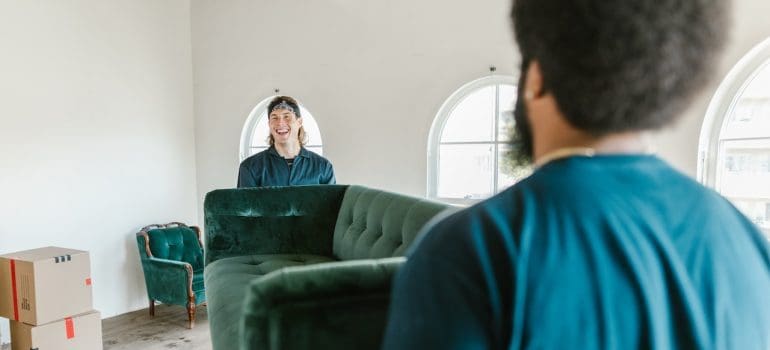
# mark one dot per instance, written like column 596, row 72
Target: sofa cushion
column 337, row 305
column 375, row 224
column 226, row 282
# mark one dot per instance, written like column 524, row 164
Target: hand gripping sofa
column 306, row 266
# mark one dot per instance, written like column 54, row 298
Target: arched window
column 255, row 131
column 734, row 150
column 468, row 142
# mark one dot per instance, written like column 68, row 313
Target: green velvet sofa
column 305, row 266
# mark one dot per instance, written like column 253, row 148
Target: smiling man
column 287, row 162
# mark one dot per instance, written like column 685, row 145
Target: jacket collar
column 302, row 152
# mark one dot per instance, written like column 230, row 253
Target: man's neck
column 559, row 135
column 619, row 143
column 288, row 150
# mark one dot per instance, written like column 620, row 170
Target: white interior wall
column 96, row 132
column 374, row 75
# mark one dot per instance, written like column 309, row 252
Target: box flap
column 44, row 253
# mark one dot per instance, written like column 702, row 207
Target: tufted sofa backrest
column 376, row 224
column 271, row 220
column 175, row 243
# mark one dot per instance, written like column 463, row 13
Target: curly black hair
column 616, row 66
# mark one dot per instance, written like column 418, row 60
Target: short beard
column 522, row 145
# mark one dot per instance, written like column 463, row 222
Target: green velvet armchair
column 172, row 260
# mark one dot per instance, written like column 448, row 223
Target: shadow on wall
column 133, row 266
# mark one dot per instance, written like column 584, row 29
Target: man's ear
column 533, row 87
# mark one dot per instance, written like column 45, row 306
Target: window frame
column 722, row 104
column 255, row 116
column 440, row 121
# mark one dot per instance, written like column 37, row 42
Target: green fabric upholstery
column 178, row 244
column 167, row 281
column 336, row 305
column 376, row 224
column 173, row 267
column 271, row 220
column 274, row 269
column 227, row 280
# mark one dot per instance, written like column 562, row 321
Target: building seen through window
column 739, row 164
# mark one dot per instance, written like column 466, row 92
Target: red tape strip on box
column 14, row 291
column 70, row 327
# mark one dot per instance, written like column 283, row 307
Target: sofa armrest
column 168, row 281
column 324, row 279
column 309, row 297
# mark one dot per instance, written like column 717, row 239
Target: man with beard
column 604, row 246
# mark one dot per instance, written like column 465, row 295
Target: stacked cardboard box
column 46, row 293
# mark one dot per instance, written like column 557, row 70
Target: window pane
column 311, row 128
column 743, row 171
column 751, row 115
column 508, row 173
column 507, row 96
column 749, row 118
column 759, row 82
column 758, row 210
column 316, row 149
column 744, row 177
column 261, row 132
column 473, row 118
column 465, row 171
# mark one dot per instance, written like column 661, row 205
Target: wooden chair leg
column 152, row 307
column 191, row 314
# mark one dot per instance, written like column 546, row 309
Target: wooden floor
column 167, row 330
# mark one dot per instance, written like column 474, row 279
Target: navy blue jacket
column 268, row 168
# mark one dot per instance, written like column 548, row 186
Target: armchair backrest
column 376, row 224
column 174, row 241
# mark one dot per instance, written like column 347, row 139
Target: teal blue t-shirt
column 605, row 252
column 268, row 168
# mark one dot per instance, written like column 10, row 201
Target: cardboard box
column 81, row 332
column 42, row 285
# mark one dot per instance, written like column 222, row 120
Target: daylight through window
column 469, row 142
